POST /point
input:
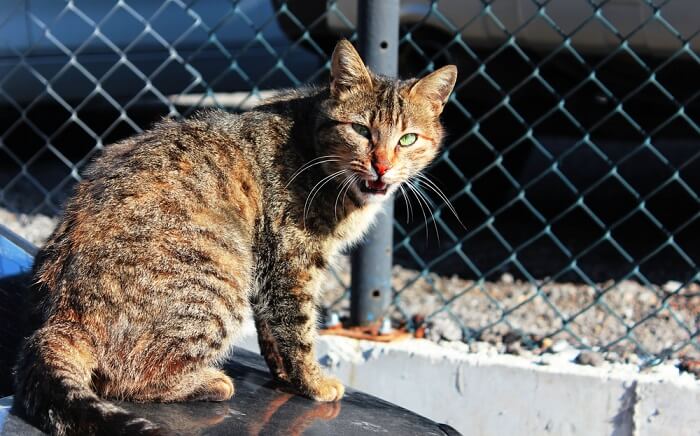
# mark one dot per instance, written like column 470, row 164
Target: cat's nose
column 381, row 167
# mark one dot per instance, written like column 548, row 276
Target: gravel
column 34, row 228
column 590, row 358
column 516, row 317
column 513, row 316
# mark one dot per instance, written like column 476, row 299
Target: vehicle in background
column 51, row 50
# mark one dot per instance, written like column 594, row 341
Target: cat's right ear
column 348, row 72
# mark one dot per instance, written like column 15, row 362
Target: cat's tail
column 53, row 387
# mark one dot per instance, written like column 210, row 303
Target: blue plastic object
column 16, row 254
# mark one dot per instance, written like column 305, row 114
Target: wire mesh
column 571, row 157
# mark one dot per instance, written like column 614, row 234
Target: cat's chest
column 354, row 227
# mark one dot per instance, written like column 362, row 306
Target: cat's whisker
column 308, row 167
column 316, row 189
column 346, row 182
column 412, row 188
column 328, row 156
column 427, row 197
column 355, row 178
column 429, row 205
column 313, row 162
column 430, row 184
column 409, row 208
column 313, row 189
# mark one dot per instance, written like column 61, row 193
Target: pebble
column 442, row 328
column 480, row 347
column 691, row 366
column 559, row 346
column 590, row 358
column 507, row 278
column 613, row 357
column 632, row 359
column 516, row 349
column 456, row 345
column 671, row 286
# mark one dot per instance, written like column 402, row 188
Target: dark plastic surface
column 260, row 405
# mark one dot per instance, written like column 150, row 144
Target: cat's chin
column 373, row 198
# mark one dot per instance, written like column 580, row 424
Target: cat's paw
column 221, row 389
column 327, row 389
column 218, row 388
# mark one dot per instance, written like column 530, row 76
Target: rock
column 507, row 278
column 456, row 345
column 480, row 347
column 633, row 359
column 613, row 357
column 559, row 346
column 691, row 366
column 443, row 328
column 671, row 286
column 512, row 337
column 514, row 348
column 590, row 358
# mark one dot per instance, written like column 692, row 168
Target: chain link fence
column 571, row 159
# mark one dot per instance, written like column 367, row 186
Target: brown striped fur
column 177, row 234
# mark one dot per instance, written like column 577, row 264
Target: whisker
column 409, row 209
column 313, row 162
column 422, row 194
column 312, row 191
column 430, row 184
column 317, row 189
column 354, row 180
column 412, row 188
column 345, row 182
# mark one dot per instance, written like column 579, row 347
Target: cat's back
column 186, row 190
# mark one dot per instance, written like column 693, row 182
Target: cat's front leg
column 291, row 317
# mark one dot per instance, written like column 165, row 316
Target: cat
column 176, row 235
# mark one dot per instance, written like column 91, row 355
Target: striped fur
column 176, row 234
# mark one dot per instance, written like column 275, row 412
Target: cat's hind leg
column 207, row 384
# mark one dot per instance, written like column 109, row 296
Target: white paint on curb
column 481, row 394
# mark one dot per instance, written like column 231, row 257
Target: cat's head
column 379, row 132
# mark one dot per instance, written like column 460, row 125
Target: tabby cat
column 176, row 235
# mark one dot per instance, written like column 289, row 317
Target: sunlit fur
column 177, row 234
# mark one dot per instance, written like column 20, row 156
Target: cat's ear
column 347, row 70
column 436, row 87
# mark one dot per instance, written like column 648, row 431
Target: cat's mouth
column 373, row 187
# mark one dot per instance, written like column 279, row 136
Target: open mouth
column 373, row 187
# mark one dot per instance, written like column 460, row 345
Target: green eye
column 361, row 130
column 408, row 139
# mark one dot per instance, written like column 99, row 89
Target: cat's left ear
column 436, row 87
column 348, row 72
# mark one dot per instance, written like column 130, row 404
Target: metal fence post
column 378, row 30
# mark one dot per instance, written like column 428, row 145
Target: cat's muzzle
column 376, row 187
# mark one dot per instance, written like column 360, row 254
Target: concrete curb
column 481, row 394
